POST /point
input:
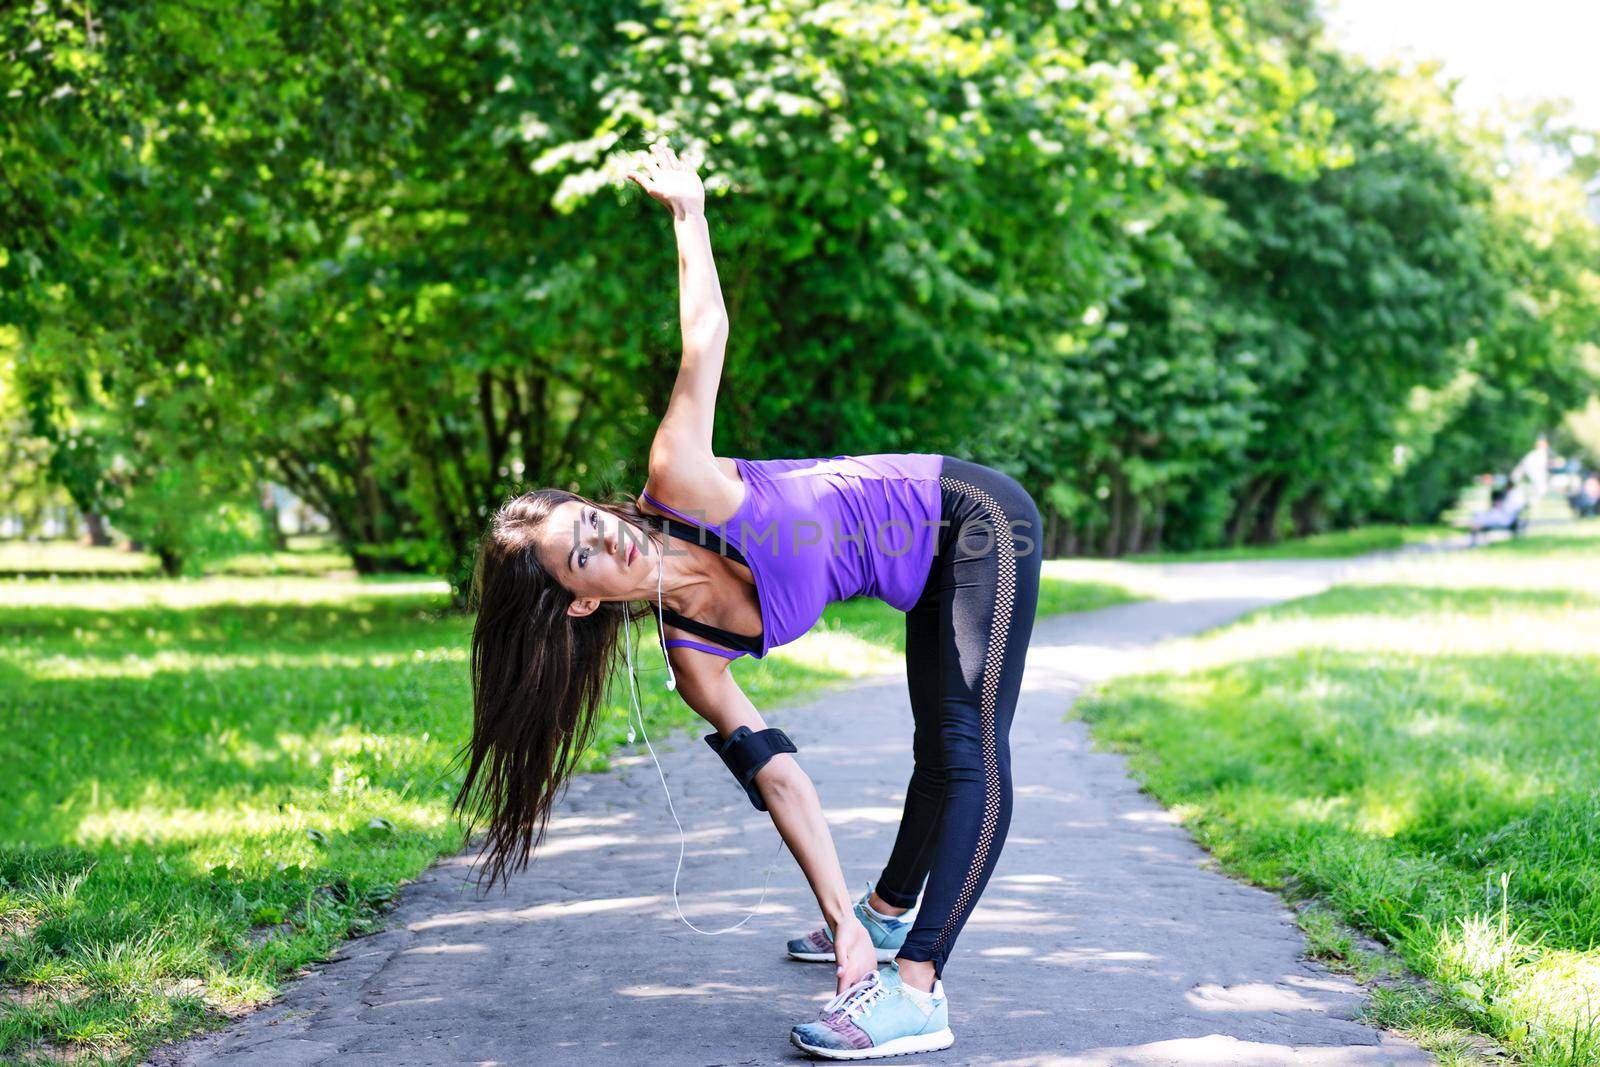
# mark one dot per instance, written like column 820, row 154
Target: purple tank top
column 814, row 531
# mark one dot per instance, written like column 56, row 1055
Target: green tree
column 1178, row 265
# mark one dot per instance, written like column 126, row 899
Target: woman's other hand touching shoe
column 853, row 949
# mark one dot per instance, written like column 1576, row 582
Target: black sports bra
column 701, row 536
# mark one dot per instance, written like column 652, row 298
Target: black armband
column 746, row 751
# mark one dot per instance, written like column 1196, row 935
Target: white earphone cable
column 672, row 683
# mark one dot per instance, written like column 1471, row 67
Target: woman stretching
column 761, row 546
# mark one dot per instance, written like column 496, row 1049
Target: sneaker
column 877, row 1017
column 887, row 936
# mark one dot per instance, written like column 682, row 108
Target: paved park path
column 1105, row 936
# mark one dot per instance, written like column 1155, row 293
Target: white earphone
column 672, row 676
column 672, row 683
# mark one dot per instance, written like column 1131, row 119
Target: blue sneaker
column 887, row 936
column 877, row 1017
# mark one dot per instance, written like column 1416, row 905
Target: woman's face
column 594, row 554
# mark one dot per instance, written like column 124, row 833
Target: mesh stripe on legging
column 937, row 838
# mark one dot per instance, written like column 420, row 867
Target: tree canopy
column 1187, row 271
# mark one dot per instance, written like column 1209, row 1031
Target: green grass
column 210, row 783
column 1057, row 597
column 1420, row 755
column 1338, row 544
column 1378, row 537
column 306, row 554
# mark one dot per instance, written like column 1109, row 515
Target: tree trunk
column 1135, row 532
column 1307, row 515
column 1158, row 516
column 1266, row 531
column 270, row 518
column 1108, row 544
column 1244, row 510
column 94, row 528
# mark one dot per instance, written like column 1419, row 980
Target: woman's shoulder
column 708, row 493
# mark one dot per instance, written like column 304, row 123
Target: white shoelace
column 856, row 999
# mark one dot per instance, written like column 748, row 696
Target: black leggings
column 966, row 641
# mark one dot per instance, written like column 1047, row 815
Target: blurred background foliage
column 1190, row 273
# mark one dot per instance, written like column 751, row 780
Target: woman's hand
column 672, row 181
column 852, row 949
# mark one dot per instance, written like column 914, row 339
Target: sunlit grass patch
column 65, row 557
column 1421, row 754
column 1059, row 596
column 1339, row 543
column 308, row 554
column 209, row 784
column 1097, row 583
column 292, row 591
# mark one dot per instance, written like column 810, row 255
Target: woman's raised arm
column 684, row 436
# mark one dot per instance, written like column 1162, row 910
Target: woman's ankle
column 883, row 907
column 919, row 974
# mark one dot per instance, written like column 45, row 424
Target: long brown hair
column 539, row 676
